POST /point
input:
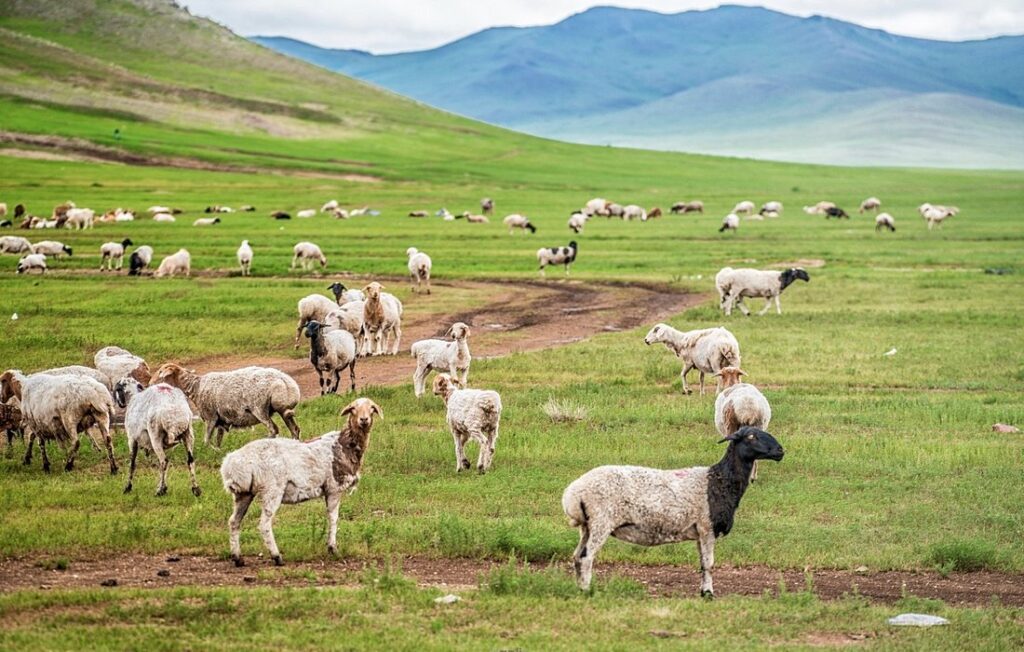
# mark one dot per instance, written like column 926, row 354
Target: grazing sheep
column 341, row 214
column 314, row 307
column 308, row 212
column 820, row 208
column 651, row 507
column 382, row 319
column 936, row 214
column 439, row 355
column 475, row 219
column 329, row 206
column 58, row 408
column 140, row 260
column 280, row 215
column 116, row 363
column 771, row 207
column 344, row 295
column 885, row 221
column 577, row 221
column 308, row 253
column 113, row 252
column 745, row 207
column 615, row 210
column 653, row 213
column 123, row 216
column 30, row 262
column 236, row 399
column 730, row 221
column 557, row 256
column 156, row 419
column 163, row 217
column 51, row 248
column 445, row 215
column 740, row 404
column 218, row 209
column 597, row 206
column 682, row 207
column 870, row 204
column 418, row 213
column 206, row 221
column 835, row 212
column 735, row 284
column 634, row 212
column 331, row 352
column 419, row 268
column 287, row 471
column 471, row 414
column 517, row 221
column 179, row 262
column 248, row 209
column 245, row 258
column 14, row 244
column 78, row 218
column 487, row 205
column 707, row 350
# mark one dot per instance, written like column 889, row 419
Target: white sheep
column 934, row 215
column 236, row 399
column 615, row 210
column 870, row 204
column 115, row 363
column 735, row 284
column 179, row 262
column 382, row 319
column 14, row 244
column 517, row 221
column 885, row 221
column 140, row 260
column 708, row 350
column 330, row 206
column 112, row 253
column 557, row 256
column 308, row 253
column 419, row 268
column 156, row 419
column 30, row 262
column 80, row 370
column 730, row 221
column 160, row 209
column 471, row 414
column 306, row 212
column 288, row 471
column 344, row 295
column 314, row 307
column 245, row 258
column 51, row 248
column 440, row 355
column 771, row 207
column 651, row 507
column 475, row 219
column 744, row 207
column 163, row 217
column 597, row 206
column 349, row 317
column 123, row 216
column 577, row 221
column 206, row 221
column 331, row 352
column 683, row 207
column 79, row 218
column 632, row 211
column 820, row 208
column 58, row 408
column 740, row 404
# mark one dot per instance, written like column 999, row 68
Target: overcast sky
column 382, row 26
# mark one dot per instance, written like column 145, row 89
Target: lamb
column 286, row 471
column 59, row 408
column 597, row 206
column 10, row 424
column 330, row 206
column 870, row 204
column 51, row 248
column 730, row 221
column 218, row 209
column 653, row 213
column 179, row 262
column 633, row 211
column 314, row 307
column 614, row 210
column 113, row 252
column 308, row 253
column 439, row 355
column 123, row 216
column 517, row 221
column 771, row 207
column 745, row 207
column 419, row 268
column 31, row 262
column 885, row 221
column 156, row 419
column 487, row 206
column 681, row 208
column 236, row 399
column 652, row 507
column 116, row 363
column 740, row 404
column 332, row 352
column 475, row 219
column 936, row 214
column 307, row 212
column 707, row 350
column 417, row 213
column 557, row 256
column 163, row 217
column 79, row 218
column 344, row 295
column 820, row 208
column 382, row 319
column 140, row 260
column 14, row 244
column 471, row 414
column 577, row 221
column 245, row 258
column 206, row 221
column 735, row 284
column 836, row 212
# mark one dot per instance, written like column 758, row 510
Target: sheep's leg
column 742, row 306
column 599, row 534
column 72, row 452
column 270, row 506
column 460, row 455
column 207, row 436
column 686, row 369
column 221, row 430
column 428, row 285
column 161, row 458
column 46, row 458
column 487, row 452
column 414, row 288
column 242, row 502
column 190, row 458
column 337, row 381
column 333, row 501
column 542, row 273
column 104, row 427
column 133, row 453
column 397, row 333
column 465, row 377
column 581, row 550
column 352, row 374
column 767, row 306
column 298, row 330
column 701, row 382
column 268, row 421
column 778, row 306
column 288, row 416
column 419, row 378
column 295, row 259
column 28, row 449
column 706, row 547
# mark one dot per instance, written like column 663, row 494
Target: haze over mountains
column 741, row 81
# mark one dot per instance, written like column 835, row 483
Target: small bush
column 964, row 556
column 563, row 411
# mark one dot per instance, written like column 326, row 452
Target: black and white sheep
column 139, row 260
column 517, row 221
column 557, row 256
column 330, row 353
column 31, row 262
column 52, row 248
column 885, row 221
column 735, row 284
column 730, row 222
column 112, row 253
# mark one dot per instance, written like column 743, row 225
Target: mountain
column 732, row 80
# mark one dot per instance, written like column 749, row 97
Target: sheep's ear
column 742, row 373
column 348, row 408
column 376, row 408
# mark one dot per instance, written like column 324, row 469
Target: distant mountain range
column 743, row 81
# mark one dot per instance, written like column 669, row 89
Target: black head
column 19, row 210
column 216, row 220
column 6, row 223
column 208, row 209
column 127, row 242
column 755, row 444
column 791, row 275
column 531, row 227
column 312, row 328
column 67, row 250
column 124, row 389
column 572, row 245
column 338, row 289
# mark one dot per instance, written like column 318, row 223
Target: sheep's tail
column 490, row 405
column 237, row 478
column 574, row 508
column 422, row 271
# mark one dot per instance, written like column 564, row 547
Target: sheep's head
column 730, row 376
column 411, row 251
column 791, row 275
column 444, row 386
column 313, row 328
column 66, row 249
column 572, row 245
column 125, row 389
column 752, row 443
column 338, row 289
column 372, row 290
column 360, row 413
column 127, row 242
column 10, row 385
column 459, row 331
column 170, row 373
column 655, row 334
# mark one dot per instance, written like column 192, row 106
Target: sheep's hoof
column 196, row 491
column 278, row 561
column 687, row 391
column 69, row 466
column 481, row 470
column 332, row 551
column 46, row 468
column 128, row 488
column 707, row 595
column 465, row 464
column 161, row 491
column 113, row 469
column 239, row 562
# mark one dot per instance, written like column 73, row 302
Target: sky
column 384, row 26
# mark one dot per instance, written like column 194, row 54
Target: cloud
column 401, row 25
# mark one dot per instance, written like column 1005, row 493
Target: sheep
column 179, row 262
column 771, row 207
column 331, row 351
column 735, row 284
column 439, row 355
column 341, row 214
column 344, row 295
column 557, row 256
column 936, row 214
column 382, row 319
column 730, row 221
column 683, row 207
column 156, row 419
column 445, row 215
column 471, row 414
column 79, row 218
column 517, row 221
column 475, row 219
column 349, row 317
column 650, row 507
column 160, row 209
column 245, row 258
column 417, row 213
column 330, row 206
column 746, row 207
column 123, row 216
column 206, row 221
column 615, row 210
column 577, row 221
column 236, row 399
column 314, row 307
column 707, row 350
column 653, row 213
column 633, row 211
column 113, row 252
column 51, row 248
column 820, row 208
column 308, row 253
column 359, row 212
column 740, row 404
column 248, row 209
column 140, row 260
column 870, row 204
column 307, row 212
column 59, row 408
column 116, row 363
column 419, row 268
column 597, row 206
column 218, row 209
column 30, row 262
column 290, row 472
column 164, row 217
column 836, row 212
column 80, row 370
column 14, row 244
column 487, row 206
column 280, row 215
column 885, row 221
